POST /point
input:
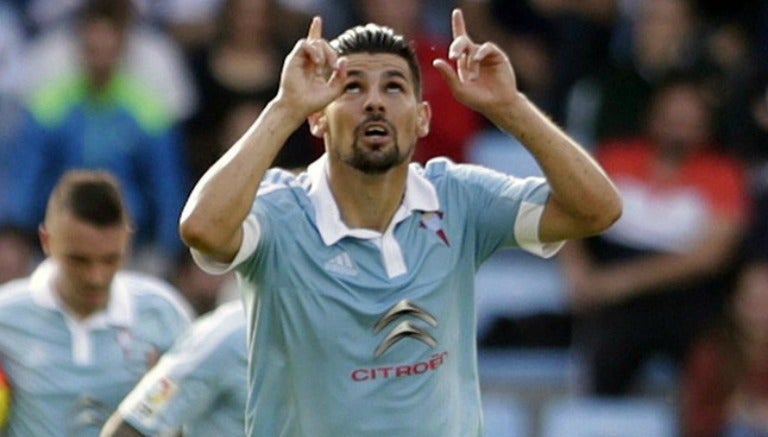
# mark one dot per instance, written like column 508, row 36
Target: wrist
column 513, row 114
column 289, row 114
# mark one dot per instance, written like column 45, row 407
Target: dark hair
column 698, row 82
column 118, row 12
column 91, row 196
column 373, row 38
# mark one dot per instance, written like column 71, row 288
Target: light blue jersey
column 68, row 375
column 199, row 383
column 354, row 332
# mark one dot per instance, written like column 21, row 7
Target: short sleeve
column 251, row 235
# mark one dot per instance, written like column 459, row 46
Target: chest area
column 56, row 357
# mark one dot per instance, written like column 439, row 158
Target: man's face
column 87, row 257
column 680, row 120
column 375, row 124
column 102, row 49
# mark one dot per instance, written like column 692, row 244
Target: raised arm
column 583, row 200
column 219, row 203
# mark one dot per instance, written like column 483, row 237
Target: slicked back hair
column 373, row 38
column 91, row 196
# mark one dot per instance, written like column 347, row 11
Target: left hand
column 484, row 78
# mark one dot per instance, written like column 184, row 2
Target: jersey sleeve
column 251, row 236
column 252, row 227
column 505, row 210
column 186, row 382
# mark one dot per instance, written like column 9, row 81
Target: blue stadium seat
column 506, row 416
column 603, row 417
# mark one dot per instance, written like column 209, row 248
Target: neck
column 367, row 201
column 99, row 82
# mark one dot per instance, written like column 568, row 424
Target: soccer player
column 77, row 335
column 199, row 385
column 358, row 275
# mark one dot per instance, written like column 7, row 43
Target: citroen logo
column 405, row 328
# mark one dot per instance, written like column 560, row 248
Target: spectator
column 240, row 67
column 78, row 334
column 102, row 117
column 650, row 283
column 724, row 388
column 18, row 255
column 203, row 379
column 193, row 24
column 149, row 55
column 611, row 101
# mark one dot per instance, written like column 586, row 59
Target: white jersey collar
column 420, row 195
column 118, row 312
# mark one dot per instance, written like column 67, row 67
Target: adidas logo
column 341, row 264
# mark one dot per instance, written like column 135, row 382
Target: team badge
column 434, row 222
column 156, row 399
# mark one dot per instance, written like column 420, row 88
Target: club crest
column 434, row 222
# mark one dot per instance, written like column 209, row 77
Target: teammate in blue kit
column 358, row 275
column 198, row 387
column 78, row 334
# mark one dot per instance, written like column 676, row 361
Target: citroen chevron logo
column 405, row 328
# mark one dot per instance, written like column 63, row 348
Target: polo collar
column 119, row 311
column 420, row 195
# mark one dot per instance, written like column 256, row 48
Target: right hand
column 483, row 78
column 313, row 74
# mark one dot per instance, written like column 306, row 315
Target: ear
column 45, row 239
column 423, row 119
column 317, row 124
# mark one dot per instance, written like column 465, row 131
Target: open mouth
column 376, row 133
column 376, row 129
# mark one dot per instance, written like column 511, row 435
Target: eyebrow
column 388, row 74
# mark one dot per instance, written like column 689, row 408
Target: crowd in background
column 671, row 96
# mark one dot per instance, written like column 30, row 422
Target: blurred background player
column 78, row 334
column 198, row 387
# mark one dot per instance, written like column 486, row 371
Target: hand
column 313, row 74
column 484, row 78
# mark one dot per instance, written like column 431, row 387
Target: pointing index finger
column 457, row 23
column 315, row 28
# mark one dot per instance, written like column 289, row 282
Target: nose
column 374, row 102
column 99, row 274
